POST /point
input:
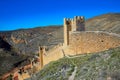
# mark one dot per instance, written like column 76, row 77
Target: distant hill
column 104, row 65
column 108, row 22
column 26, row 41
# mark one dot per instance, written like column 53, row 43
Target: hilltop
column 99, row 66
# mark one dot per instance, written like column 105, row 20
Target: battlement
column 75, row 24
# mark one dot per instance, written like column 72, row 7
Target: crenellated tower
column 67, row 28
column 78, row 23
column 75, row 24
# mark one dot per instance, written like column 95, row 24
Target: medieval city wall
column 83, row 42
column 89, row 42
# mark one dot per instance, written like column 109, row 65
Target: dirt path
column 73, row 74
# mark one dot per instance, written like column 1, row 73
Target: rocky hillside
column 26, row 41
column 107, row 22
column 8, row 57
column 97, row 66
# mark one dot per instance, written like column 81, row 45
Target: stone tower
column 67, row 28
column 76, row 24
column 41, row 52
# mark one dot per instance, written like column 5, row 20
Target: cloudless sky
column 16, row 14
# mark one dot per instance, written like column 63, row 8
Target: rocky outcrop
column 18, row 41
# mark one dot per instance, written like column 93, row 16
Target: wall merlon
column 82, row 17
column 79, row 17
column 75, row 18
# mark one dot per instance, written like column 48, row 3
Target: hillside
column 101, row 66
column 26, row 41
column 107, row 22
column 8, row 57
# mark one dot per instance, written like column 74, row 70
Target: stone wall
column 94, row 41
column 83, row 42
column 53, row 55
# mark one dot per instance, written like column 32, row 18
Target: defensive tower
column 75, row 24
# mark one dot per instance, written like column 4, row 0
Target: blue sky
column 16, row 14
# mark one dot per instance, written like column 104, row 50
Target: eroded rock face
column 17, row 41
column 92, row 41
